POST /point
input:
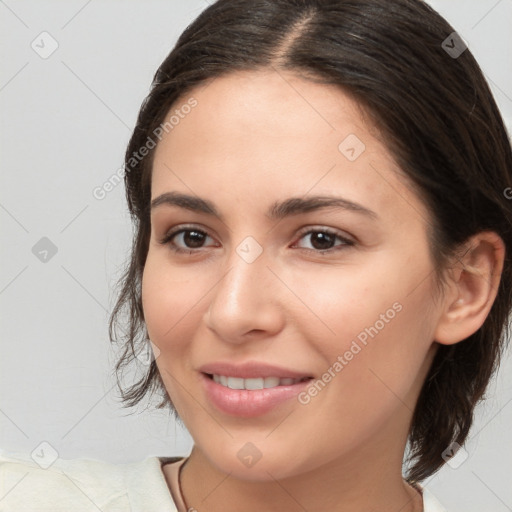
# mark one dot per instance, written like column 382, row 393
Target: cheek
column 171, row 301
column 373, row 332
column 335, row 305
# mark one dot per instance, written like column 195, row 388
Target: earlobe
column 472, row 288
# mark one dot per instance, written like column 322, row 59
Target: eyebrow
column 278, row 210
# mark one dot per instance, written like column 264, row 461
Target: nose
column 245, row 302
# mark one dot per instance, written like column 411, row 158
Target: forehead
column 268, row 134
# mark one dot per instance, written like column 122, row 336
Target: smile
column 254, row 383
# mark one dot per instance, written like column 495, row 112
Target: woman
column 321, row 260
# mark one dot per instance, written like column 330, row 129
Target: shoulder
column 77, row 484
column 81, row 484
column 430, row 502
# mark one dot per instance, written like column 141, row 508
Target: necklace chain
column 179, row 485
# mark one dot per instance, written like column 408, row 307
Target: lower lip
column 249, row 403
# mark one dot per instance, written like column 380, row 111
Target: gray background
column 65, row 123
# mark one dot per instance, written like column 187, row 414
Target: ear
column 471, row 288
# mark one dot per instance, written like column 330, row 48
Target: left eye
column 324, row 240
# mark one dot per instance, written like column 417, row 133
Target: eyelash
column 167, row 240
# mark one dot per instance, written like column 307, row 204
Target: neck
column 341, row 486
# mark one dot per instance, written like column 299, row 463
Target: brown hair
column 438, row 118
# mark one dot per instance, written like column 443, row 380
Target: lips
column 251, row 370
column 249, row 403
column 250, row 389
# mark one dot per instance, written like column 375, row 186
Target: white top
column 87, row 485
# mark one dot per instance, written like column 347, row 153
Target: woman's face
column 301, row 248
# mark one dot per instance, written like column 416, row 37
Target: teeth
column 254, row 383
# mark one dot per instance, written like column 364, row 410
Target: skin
column 259, row 137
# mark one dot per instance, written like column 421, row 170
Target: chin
column 251, row 464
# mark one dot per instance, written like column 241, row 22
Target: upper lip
column 251, row 369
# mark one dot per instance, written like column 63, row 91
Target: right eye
column 185, row 239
